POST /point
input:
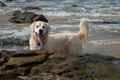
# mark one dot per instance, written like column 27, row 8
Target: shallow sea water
column 104, row 38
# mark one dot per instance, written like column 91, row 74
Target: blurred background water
column 68, row 7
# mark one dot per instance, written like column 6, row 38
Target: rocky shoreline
column 44, row 65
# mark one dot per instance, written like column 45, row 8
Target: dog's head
column 40, row 28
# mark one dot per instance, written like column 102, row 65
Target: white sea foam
column 104, row 42
column 15, row 33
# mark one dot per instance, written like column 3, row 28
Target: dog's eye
column 44, row 27
column 37, row 26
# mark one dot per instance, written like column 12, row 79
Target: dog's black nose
column 40, row 31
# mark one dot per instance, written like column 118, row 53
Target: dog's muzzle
column 40, row 33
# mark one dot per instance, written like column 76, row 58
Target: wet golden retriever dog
column 60, row 42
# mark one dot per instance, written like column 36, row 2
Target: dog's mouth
column 40, row 35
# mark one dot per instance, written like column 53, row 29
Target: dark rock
column 39, row 18
column 10, row 76
column 44, row 76
column 11, row 41
column 6, row 54
column 31, row 8
column 2, row 4
column 108, row 20
column 1, row 61
column 42, row 65
column 26, row 17
column 111, row 20
column 77, row 68
column 27, row 60
column 9, row 0
column 74, row 5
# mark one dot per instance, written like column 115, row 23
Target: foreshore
column 44, row 65
column 103, row 41
column 101, row 58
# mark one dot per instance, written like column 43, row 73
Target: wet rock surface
column 32, row 8
column 44, row 65
column 26, row 17
column 12, row 41
column 10, row 0
column 2, row 4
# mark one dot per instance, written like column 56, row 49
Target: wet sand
column 105, row 41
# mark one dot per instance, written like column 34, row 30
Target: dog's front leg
column 33, row 45
column 36, row 47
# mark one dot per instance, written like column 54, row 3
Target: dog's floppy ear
column 32, row 26
column 48, row 27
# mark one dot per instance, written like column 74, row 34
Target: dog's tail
column 83, row 33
